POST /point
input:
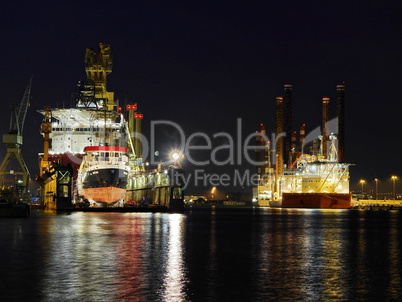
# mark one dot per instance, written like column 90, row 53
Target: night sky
column 205, row 64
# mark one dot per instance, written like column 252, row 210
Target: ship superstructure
column 93, row 119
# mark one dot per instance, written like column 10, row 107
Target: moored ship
column 94, row 120
column 93, row 151
column 102, row 177
column 317, row 183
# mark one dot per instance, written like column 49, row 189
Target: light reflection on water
column 310, row 255
column 394, row 254
column 174, row 278
column 114, row 257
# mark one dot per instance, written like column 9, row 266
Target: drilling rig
column 13, row 140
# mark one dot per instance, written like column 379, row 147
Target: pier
column 370, row 204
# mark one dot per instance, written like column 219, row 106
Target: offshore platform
column 295, row 178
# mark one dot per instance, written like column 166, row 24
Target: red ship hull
column 64, row 159
column 316, row 200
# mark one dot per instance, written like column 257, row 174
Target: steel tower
column 13, row 140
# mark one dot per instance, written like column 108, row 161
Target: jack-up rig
column 14, row 140
column 295, row 179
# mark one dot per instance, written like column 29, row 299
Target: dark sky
column 204, row 64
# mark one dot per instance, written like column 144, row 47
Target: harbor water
column 211, row 255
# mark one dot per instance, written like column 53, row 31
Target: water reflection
column 212, row 258
column 333, row 260
column 132, row 249
column 394, row 259
column 328, row 255
column 114, row 256
column 174, row 278
column 80, row 258
column 264, row 255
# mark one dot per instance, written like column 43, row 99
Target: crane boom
column 19, row 112
column 23, row 107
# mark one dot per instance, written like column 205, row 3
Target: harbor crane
column 13, row 140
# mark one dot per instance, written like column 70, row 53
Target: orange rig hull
column 108, row 195
column 317, row 200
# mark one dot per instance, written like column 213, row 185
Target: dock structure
column 371, row 204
